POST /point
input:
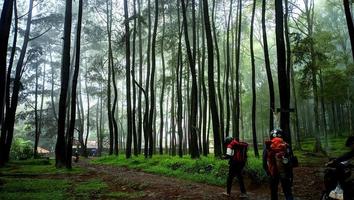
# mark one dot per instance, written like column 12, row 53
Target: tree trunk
column 109, row 110
column 73, row 89
column 163, row 80
column 7, row 127
column 134, row 131
column 268, row 70
column 127, row 75
column 194, row 92
column 254, row 133
column 282, row 73
column 219, row 93
column 238, row 94
column 212, row 96
column 5, row 26
column 350, row 24
column 179, row 74
column 60, row 151
column 36, row 133
column 140, row 120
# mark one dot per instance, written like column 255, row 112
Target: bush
column 21, row 149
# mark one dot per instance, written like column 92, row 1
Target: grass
column 25, row 188
column 208, row 170
column 40, row 180
column 336, row 147
column 34, row 166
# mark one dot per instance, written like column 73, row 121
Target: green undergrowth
column 25, row 188
column 37, row 166
column 204, row 170
column 307, row 156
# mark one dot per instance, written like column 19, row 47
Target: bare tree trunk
column 350, row 23
column 60, row 151
column 109, row 110
column 127, row 72
column 5, row 26
column 254, row 133
column 163, row 79
column 73, row 90
column 268, row 70
column 179, row 85
column 212, row 96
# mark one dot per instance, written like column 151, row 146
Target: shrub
column 21, row 149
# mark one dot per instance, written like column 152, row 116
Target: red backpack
column 240, row 150
column 277, row 155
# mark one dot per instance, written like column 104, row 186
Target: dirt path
column 307, row 185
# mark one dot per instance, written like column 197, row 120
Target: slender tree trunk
column 127, row 72
column 73, row 89
column 5, row 26
column 282, row 73
column 140, row 120
column 350, row 23
column 87, row 116
column 254, row 133
column 163, row 79
column 109, row 110
column 194, row 92
column 212, row 96
column 36, row 134
column 238, row 51
column 228, row 66
column 147, row 131
column 268, row 70
column 219, row 93
column 60, row 152
column 134, row 131
column 179, row 85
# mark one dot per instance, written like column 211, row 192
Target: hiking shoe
column 243, row 195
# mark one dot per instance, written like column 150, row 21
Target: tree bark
column 212, row 96
column 254, row 133
column 282, row 73
column 60, row 151
column 350, row 24
column 127, row 75
column 5, row 26
column 73, row 89
column 194, row 92
column 268, row 70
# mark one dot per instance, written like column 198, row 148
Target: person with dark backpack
column 236, row 152
column 277, row 162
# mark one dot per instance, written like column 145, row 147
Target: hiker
column 347, row 156
column 76, row 156
column 276, row 163
column 236, row 152
column 345, row 183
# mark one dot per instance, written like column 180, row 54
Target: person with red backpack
column 236, row 152
column 277, row 164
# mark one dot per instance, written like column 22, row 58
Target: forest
column 111, row 99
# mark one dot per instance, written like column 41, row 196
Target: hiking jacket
column 273, row 151
column 234, row 154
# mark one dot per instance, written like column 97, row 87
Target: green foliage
column 36, row 166
column 204, row 170
column 24, row 188
column 21, row 149
column 84, row 189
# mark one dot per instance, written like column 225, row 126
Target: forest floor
column 141, row 185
